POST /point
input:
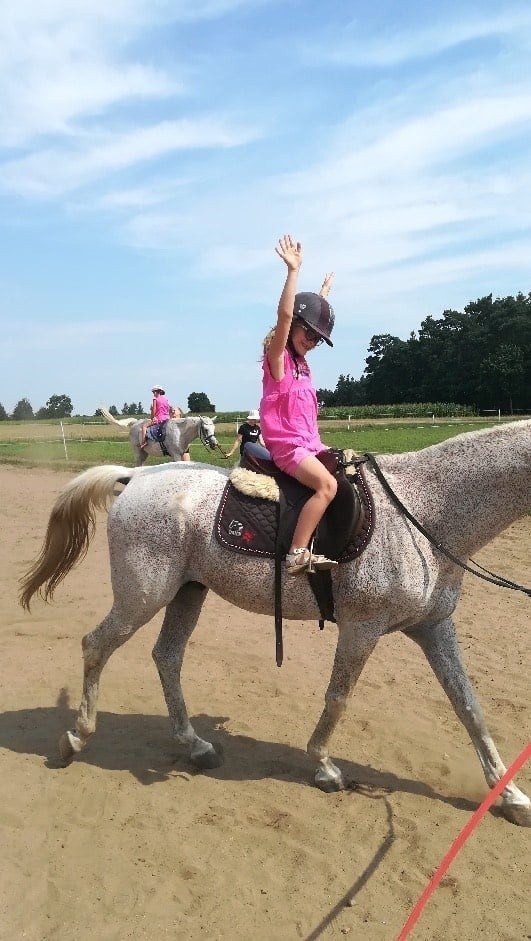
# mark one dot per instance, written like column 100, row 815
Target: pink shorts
column 289, row 459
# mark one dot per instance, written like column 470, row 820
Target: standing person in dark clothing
column 249, row 435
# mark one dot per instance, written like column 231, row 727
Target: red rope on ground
column 462, row 837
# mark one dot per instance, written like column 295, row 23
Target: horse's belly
column 249, row 584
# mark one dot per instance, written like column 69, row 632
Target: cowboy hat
column 253, row 415
column 158, row 389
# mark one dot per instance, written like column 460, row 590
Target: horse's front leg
column 355, row 643
column 168, row 653
column 140, row 455
column 439, row 644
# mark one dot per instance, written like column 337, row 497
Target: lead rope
column 499, row 580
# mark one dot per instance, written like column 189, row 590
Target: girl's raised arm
column 291, row 253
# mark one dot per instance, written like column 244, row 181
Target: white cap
column 253, row 415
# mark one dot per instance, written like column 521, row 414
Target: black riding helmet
column 316, row 312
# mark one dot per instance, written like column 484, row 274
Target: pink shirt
column 162, row 408
column 288, row 414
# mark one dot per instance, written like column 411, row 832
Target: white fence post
column 64, row 440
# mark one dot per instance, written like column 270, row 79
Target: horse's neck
column 187, row 429
column 468, row 489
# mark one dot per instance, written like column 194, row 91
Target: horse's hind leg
column 98, row 646
column 168, row 653
column 439, row 644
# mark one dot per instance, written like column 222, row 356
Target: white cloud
column 398, row 47
column 62, row 62
column 60, row 336
column 137, row 198
column 50, row 172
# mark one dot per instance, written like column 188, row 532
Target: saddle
column 158, row 433
column 258, row 512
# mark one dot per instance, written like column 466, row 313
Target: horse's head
column 207, row 432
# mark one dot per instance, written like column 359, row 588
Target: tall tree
column 22, row 410
column 3, row 414
column 199, row 402
column 57, row 406
column 503, row 371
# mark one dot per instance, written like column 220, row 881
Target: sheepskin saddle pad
column 260, row 505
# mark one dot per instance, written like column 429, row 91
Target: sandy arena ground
column 129, row 842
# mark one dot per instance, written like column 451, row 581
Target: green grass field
column 34, row 444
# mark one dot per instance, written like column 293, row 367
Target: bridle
column 499, row 580
column 207, row 439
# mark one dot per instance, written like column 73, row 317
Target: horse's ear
column 214, row 417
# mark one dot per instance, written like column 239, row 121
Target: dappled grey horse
column 464, row 491
column 179, row 433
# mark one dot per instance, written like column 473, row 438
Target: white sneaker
column 300, row 560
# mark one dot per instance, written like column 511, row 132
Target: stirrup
column 319, row 563
column 304, row 560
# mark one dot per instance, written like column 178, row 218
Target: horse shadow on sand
column 143, row 746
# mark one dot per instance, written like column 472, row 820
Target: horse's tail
column 70, row 529
column 123, row 423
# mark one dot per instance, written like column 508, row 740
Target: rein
column 499, row 580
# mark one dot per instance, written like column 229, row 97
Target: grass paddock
column 40, row 444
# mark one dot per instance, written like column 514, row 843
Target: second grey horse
column 179, row 433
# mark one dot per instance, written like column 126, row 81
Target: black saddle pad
column 253, row 526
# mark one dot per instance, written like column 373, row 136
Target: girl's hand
column 290, row 252
column 327, row 284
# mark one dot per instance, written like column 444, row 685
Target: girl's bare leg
column 143, row 429
column 314, row 475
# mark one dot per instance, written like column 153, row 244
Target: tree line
column 60, row 406
column 480, row 358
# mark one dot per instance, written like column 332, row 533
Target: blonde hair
column 266, row 342
column 175, row 409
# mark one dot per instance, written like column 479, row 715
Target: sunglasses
column 309, row 333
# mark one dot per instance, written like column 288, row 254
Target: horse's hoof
column 207, row 760
column 518, row 813
column 69, row 745
column 329, row 780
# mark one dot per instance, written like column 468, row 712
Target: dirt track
column 130, row 843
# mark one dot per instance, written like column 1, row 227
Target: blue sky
column 152, row 151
